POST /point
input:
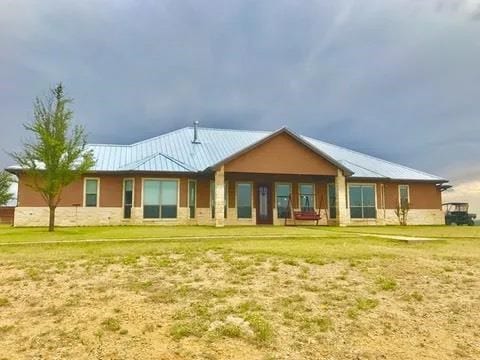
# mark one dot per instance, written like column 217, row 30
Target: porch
column 273, row 199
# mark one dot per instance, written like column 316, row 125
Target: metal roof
column 175, row 152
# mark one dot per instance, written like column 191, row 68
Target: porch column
column 219, row 197
column 341, row 198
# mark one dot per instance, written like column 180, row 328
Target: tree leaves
column 57, row 155
column 5, row 182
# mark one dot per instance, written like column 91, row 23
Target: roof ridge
column 178, row 162
column 374, row 157
column 116, row 145
column 158, row 136
column 225, row 129
column 363, row 167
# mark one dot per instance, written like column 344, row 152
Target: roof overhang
column 283, row 130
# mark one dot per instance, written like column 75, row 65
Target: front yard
column 239, row 293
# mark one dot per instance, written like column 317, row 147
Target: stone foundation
column 82, row 216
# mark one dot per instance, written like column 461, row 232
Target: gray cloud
column 398, row 79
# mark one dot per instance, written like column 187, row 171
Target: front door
column 264, row 204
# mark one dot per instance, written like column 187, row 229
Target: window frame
column 97, row 203
column 188, row 198
column 290, row 184
column 177, row 180
column 374, row 185
column 400, row 193
column 328, row 200
column 312, row 208
column 237, row 183
column 123, row 196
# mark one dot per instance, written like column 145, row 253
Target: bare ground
column 329, row 295
column 221, row 304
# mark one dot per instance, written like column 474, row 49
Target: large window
column 91, row 192
column 362, row 201
column 403, row 196
column 244, row 200
column 160, row 199
column 332, row 201
column 307, row 197
column 212, row 199
column 283, row 193
column 192, row 198
column 127, row 198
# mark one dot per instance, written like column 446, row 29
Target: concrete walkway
column 407, row 239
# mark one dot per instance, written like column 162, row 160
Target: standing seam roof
column 175, row 152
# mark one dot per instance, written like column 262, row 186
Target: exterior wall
column 422, row 195
column 281, row 155
column 7, row 214
column 425, row 200
column 425, row 204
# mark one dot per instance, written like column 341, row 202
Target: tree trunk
column 51, row 220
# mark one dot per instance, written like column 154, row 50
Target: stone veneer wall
column 81, row 216
column 91, row 216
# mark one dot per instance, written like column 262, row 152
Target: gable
column 281, row 154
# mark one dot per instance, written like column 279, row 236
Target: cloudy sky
column 399, row 79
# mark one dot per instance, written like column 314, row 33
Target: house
column 222, row 177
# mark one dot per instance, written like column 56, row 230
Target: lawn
column 239, row 293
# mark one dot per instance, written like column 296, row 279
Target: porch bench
column 306, row 215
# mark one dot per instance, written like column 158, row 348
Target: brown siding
column 295, row 195
column 422, row 195
column 183, row 192
column 203, row 192
column 71, row 195
column 111, row 191
column 231, row 194
column 6, row 214
column 321, row 195
column 281, row 155
column 425, row 196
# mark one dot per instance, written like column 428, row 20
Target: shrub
column 111, row 324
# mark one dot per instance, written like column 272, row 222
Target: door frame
column 269, row 219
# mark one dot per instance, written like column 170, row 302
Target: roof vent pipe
column 195, row 133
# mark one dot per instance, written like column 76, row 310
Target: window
column 244, row 200
column 127, row 198
column 307, row 197
column 403, row 196
column 192, row 197
column 160, row 199
column 225, row 199
column 332, row 201
column 283, row 193
column 212, row 199
column 91, row 192
column 362, row 201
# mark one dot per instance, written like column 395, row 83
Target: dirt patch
column 221, row 304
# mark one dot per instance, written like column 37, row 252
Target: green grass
column 111, row 324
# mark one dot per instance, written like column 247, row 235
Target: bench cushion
column 303, row 215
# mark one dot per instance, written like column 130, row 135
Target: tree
column 5, row 183
column 402, row 212
column 57, row 155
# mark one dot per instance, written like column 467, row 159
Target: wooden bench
column 306, row 215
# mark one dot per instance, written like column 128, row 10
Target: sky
column 397, row 79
